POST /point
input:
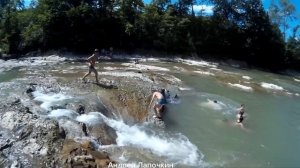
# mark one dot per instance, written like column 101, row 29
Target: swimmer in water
column 240, row 115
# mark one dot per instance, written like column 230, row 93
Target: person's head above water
column 163, row 92
column 96, row 50
column 215, row 101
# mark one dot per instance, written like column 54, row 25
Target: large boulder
column 104, row 134
column 83, row 155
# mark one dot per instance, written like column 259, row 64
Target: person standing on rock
column 92, row 62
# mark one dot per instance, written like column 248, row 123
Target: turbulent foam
column 216, row 69
column 184, row 88
column 297, row 80
column 177, row 148
column 246, row 77
column 63, row 112
column 153, row 59
column 243, row 87
column 144, row 67
column 111, row 68
column 224, row 105
column 127, row 74
column 29, row 62
column 51, row 100
column 212, row 105
column 205, row 73
column 179, row 68
column 91, row 118
column 198, row 63
column 271, row 86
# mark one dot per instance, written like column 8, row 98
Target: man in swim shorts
column 160, row 104
column 92, row 62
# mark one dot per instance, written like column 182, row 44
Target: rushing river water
column 199, row 132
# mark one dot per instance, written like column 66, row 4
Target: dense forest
column 237, row 29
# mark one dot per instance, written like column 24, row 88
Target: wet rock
column 62, row 132
column 16, row 102
column 80, row 109
column 3, row 160
column 72, row 129
column 83, row 155
column 131, row 104
column 104, row 134
column 84, row 129
column 30, row 90
column 24, row 131
column 26, row 110
column 9, row 120
column 43, row 151
column 16, row 164
column 5, row 144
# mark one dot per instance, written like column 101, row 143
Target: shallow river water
column 199, row 132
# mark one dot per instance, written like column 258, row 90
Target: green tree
column 161, row 5
column 9, row 25
column 282, row 14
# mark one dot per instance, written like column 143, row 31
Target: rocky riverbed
column 53, row 121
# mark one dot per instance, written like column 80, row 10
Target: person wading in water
column 160, row 104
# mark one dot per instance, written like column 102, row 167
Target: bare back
column 92, row 60
column 158, row 95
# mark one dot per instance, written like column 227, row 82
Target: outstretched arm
column 90, row 58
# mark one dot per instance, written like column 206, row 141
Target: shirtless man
column 161, row 102
column 92, row 62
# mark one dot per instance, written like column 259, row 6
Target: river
column 198, row 132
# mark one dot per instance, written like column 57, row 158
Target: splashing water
column 50, row 100
column 176, row 148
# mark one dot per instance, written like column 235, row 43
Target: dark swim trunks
column 162, row 101
column 240, row 119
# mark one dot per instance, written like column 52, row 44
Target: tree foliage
column 237, row 29
column 281, row 13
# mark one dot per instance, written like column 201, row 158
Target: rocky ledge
column 30, row 138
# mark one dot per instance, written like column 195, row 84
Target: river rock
column 34, row 140
column 72, row 129
column 30, row 90
column 83, row 155
column 16, row 164
column 104, row 134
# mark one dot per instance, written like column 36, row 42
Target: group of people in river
column 240, row 114
column 160, row 95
